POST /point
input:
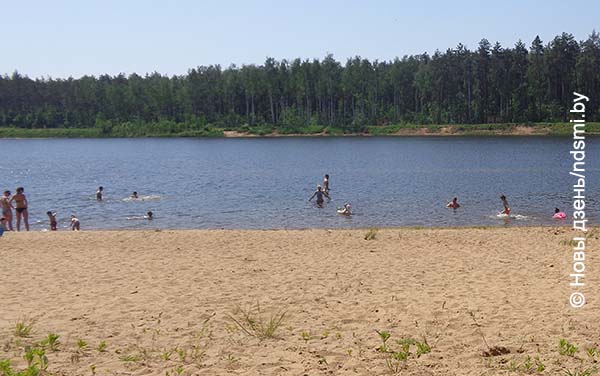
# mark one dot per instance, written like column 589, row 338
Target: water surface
column 265, row 182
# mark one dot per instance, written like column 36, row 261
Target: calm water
column 265, row 183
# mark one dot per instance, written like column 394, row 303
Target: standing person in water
column 319, row 193
column 52, row 218
column 21, row 208
column 506, row 206
column 453, row 204
column 99, row 193
column 326, row 185
column 7, row 210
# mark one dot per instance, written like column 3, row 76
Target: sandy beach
column 182, row 302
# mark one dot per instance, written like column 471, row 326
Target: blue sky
column 73, row 38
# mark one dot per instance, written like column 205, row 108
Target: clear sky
column 65, row 38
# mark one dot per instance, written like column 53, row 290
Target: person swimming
column 453, row 204
column 149, row 216
column 506, row 206
column 75, row 225
column 52, row 218
column 99, row 193
column 559, row 214
column 21, row 208
column 319, row 193
column 134, row 195
column 345, row 210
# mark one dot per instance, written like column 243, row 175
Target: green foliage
column 490, row 84
column 396, row 357
column 384, row 336
column 566, row 348
column 101, row 346
column 81, row 345
column 23, row 328
column 51, row 342
column 252, row 322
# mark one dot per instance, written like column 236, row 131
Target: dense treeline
column 491, row 84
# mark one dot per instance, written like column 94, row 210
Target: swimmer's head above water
column 149, row 215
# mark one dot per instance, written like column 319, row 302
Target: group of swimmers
column 18, row 202
column 134, row 196
column 323, row 191
column 558, row 214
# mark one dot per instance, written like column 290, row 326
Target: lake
column 264, row 183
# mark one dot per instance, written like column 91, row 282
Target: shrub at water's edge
column 173, row 129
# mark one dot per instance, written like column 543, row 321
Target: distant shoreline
column 400, row 130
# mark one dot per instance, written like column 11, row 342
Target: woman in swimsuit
column 319, row 193
column 7, row 210
column 21, row 208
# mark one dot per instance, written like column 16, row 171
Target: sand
column 164, row 302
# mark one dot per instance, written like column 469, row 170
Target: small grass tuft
column 24, row 328
column 51, row 342
column 370, row 235
column 81, row 345
column 566, row 348
column 101, row 347
column 252, row 322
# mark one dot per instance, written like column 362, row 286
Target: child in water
column 99, row 193
column 326, row 186
column 559, row 214
column 319, row 193
column 345, row 210
column 453, row 204
column 75, row 225
column 52, row 218
column 506, row 206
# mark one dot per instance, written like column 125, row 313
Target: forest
column 487, row 85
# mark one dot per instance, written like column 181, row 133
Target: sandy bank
column 163, row 300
